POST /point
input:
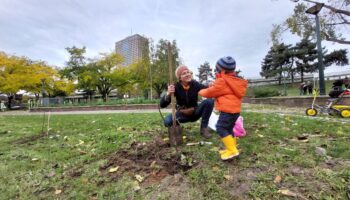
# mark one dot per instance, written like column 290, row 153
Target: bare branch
column 335, row 10
column 340, row 23
column 328, row 38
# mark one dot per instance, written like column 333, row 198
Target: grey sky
column 205, row 30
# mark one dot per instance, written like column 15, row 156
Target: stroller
column 335, row 106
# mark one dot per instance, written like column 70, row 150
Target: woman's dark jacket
column 184, row 99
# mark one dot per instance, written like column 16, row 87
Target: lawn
column 125, row 156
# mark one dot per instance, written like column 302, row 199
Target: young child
column 228, row 91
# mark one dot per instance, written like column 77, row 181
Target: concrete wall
column 91, row 108
column 294, row 101
column 281, row 101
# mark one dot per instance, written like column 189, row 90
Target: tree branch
column 340, row 23
column 335, row 10
column 335, row 40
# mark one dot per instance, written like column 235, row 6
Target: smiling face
column 186, row 76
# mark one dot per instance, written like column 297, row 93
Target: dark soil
column 29, row 139
column 153, row 161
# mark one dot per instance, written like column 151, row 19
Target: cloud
column 205, row 30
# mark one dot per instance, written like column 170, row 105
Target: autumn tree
column 334, row 20
column 21, row 73
column 105, row 74
column 13, row 75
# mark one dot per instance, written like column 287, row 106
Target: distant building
column 132, row 48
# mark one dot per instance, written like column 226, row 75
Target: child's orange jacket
column 228, row 91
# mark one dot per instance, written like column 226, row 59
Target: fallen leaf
column 153, row 164
column 228, row 177
column 57, row 192
column 136, row 186
column 278, row 179
column 287, row 192
column 215, row 168
column 82, row 152
column 139, row 178
column 113, row 169
column 85, row 180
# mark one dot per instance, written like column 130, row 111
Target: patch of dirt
column 242, row 179
column 29, row 139
column 172, row 188
column 75, row 173
column 153, row 161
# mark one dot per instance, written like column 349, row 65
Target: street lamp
column 314, row 10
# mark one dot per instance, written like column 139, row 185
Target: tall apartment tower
column 132, row 48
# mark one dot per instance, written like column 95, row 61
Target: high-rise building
column 132, row 48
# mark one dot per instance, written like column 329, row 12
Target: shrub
column 265, row 92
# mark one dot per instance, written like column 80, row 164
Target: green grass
column 36, row 169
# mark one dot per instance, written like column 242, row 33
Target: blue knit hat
column 227, row 63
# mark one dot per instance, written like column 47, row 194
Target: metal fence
column 307, row 77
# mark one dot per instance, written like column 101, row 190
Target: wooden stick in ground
column 171, row 82
column 175, row 131
column 48, row 124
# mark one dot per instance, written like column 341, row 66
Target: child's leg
column 224, row 128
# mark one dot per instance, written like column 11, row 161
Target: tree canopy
column 334, row 21
column 287, row 60
column 20, row 73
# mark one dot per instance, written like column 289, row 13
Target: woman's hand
column 171, row 90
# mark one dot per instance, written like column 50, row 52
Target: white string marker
column 48, row 124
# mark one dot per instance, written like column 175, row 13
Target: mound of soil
column 153, row 161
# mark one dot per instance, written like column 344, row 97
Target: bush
column 265, row 92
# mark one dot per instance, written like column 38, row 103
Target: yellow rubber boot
column 231, row 148
column 224, row 150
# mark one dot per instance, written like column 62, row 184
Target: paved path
column 83, row 112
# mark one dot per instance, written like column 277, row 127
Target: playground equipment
column 334, row 106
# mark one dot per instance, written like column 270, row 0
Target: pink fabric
column 238, row 129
